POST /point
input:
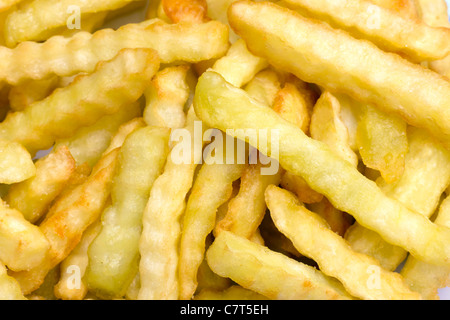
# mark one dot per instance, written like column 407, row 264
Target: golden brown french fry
column 390, row 31
column 141, row 161
column 23, row 245
column 16, row 164
column 115, row 83
column 270, row 273
column 67, row 219
column 161, row 230
column 346, row 188
column 312, row 236
column 382, row 142
column 186, row 10
column 166, row 97
column 81, row 53
column 9, row 287
column 33, row 197
column 23, row 95
column 7, row 4
column 386, row 80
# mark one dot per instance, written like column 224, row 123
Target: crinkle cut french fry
column 80, row 53
column 16, row 164
column 88, row 144
column 426, row 175
column 312, row 236
column 212, row 187
column 385, row 28
column 34, row 196
column 264, row 86
column 161, row 231
column 166, row 97
column 114, row 254
column 33, row 18
column 289, row 42
column 270, row 273
column 423, row 277
column 346, row 188
column 339, row 221
column 123, row 132
column 186, row 10
column 115, row 83
column 67, row 219
column 23, row 245
column 9, row 287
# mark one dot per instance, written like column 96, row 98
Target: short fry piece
column 16, row 164
column 114, row 84
column 34, row 196
column 114, row 254
column 9, row 287
column 269, row 273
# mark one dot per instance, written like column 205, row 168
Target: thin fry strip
column 346, row 188
column 270, row 273
column 312, row 236
column 161, row 230
column 68, row 218
column 390, row 31
column 114, row 83
column 80, row 53
column 289, row 42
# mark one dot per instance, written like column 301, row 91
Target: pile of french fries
column 128, row 169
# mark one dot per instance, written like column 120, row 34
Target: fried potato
column 423, row 277
column 88, row 143
column 9, row 287
column 234, row 292
column 63, row 56
column 213, row 187
column 327, row 173
column 186, row 10
column 382, row 142
column 338, row 221
column 390, row 31
column 239, row 66
column 386, row 80
column 23, row 245
column 16, row 164
column 161, row 231
column 7, row 4
column 264, row 87
column 312, row 236
column 166, row 97
column 269, row 273
column 67, row 219
column 33, row 197
column 426, row 175
column 32, row 19
column 123, row 132
column 114, row 84
column 405, row 7
column 298, row 185
column 114, row 253
column 328, row 127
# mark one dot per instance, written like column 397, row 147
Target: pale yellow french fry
column 328, row 127
column 213, row 187
column 166, row 97
column 265, row 87
column 158, row 245
column 141, row 161
column 9, row 287
column 209, row 280
column 426, row 176
column 361, row 275
column 404, row 7
column 63, row 56
column 23, row 245
column 423, row 277
column 88, row 144
column 16, row 164
column 71, row 285
column 346, row 188
column 115, row 83
column 32, row 19
column 390, row 31
column 123, row 132
column 33, row 197
column 234, row 292
column 67, row 219
column 239, row 66
column 386, row 81
column 270, row 273
column 23, row 95
column 298, row 185
column 186, row 10
column 382, row 142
